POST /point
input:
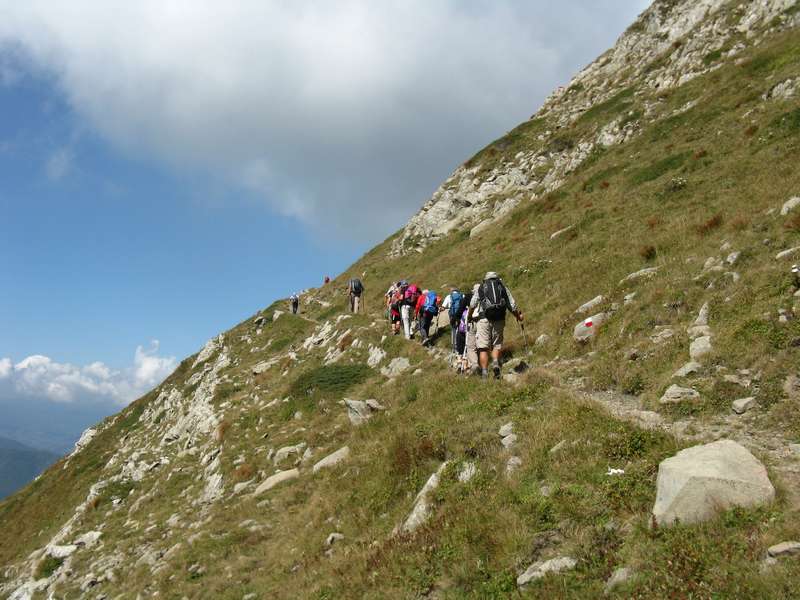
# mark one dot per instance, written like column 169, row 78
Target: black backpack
column 493, row 299
column 356, row 286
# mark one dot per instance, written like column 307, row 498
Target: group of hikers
column 477, row 319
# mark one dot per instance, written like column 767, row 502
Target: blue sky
column 166, row 169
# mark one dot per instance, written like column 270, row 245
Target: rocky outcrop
column 697, row 483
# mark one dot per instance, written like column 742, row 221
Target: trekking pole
column 524, row 337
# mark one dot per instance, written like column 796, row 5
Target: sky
column 168, row 167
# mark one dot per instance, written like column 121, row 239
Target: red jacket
column 421, row 303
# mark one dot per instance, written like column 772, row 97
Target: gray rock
column 587, row 306
column 688, row 369
column 357, row 411
column 287, row 451
column 790, row 205
column 332, row 459
column 642, row 274
column 375, row 405
column 509, row 440
column 542, row 340
column 506, row 429
column 791, row 386
column 421, row 511
column 700, row 347
column 277, row 315
column 541, row 568
column 376, row 355
column 396, row 367
column 784, row 549
column 61, row 551
column 88, row 539
column 618, row 577
column 696, row 483
column 629, row 298
column 561, row 232
column 279, row 477
column 333, row 538
column 702, row 316
column 587, row 329
column 558, row 447
column 676, row 393
column 787, row 253
column 794, row 449
column 732, row 258
column 742, row 405
column 696, row 331
column 468, row 471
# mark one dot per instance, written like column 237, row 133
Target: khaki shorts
column 489, row 334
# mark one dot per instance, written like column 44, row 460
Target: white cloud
column 41, row 377
column 333, row 112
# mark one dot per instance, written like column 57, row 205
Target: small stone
column 558, row 447
column 742, row 405
column 509, row 440
column 333, row 538
column 506, row 429
column 542, row 340
column 676, row 393
column 332, row 459
column 618, row 577
column 396, row 367
column 541, row 568
column 587, row 306
column 790, row 205
column 700, row 347
column 794, row 449
column 732, row 258
column 642, row 274
column 629, row 298
column 688, row 369
column 279, row 477
column 784, row 549
column 468, row 471
column 787, row 253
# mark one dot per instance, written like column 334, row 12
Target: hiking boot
column 496, row 370
column 484, row 374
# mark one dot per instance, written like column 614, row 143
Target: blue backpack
column 430, row 304
column 456, row 300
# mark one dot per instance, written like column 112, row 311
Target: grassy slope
column 486, row 532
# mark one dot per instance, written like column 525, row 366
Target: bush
column 47, row 566
column 710, row 225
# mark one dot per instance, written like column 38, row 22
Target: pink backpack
column 412, row 292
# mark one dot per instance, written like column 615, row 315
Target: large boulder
column 587, row 329
column 698, row 482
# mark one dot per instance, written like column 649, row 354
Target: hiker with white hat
column 492, row 302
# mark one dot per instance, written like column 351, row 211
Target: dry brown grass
column 709, row 225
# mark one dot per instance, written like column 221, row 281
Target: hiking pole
column 524, row 337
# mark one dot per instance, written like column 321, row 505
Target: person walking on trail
column 410, row 296
column 427, row 311
column 453, row 303
column 355, row 288
column 395, row 307
column 493, row 300
column 294, row 300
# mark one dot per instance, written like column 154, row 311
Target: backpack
column 462, row 323
column 430, row 304
column 411, row 295
column 356, row 286
column 492, row 295
column 456, row 305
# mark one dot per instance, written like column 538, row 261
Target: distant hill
column 19, row 464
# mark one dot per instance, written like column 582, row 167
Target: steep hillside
column 659, row 188
column 19, row 464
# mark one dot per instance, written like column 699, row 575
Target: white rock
column 698, row 482
column 742, row 405
column 333, row 538
column 285, row 452
column 732, row 258
column 396, row 367
column 587, row 329
column 506, row 429
column 696, row 331
column 688, row 369
column 542, row 340
column 587, row 306
column 642, row 274
column 676, row 393
column 629, row 298
column 332, row 459
column 790, row 205
column 787, row 253
column 784, row 549
column 700, row 347
column 541, row 568
column 277, row 314
column 509, row 440
column 561, row 232
column 618, row 577
column 558, row 447
column 375, row 405
column 272, row 481
column 357, row 411
column 702, row 316
column 61, row 551
column 468, row 471
column 421, row 511
column 376, row 355
column 88, row 539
